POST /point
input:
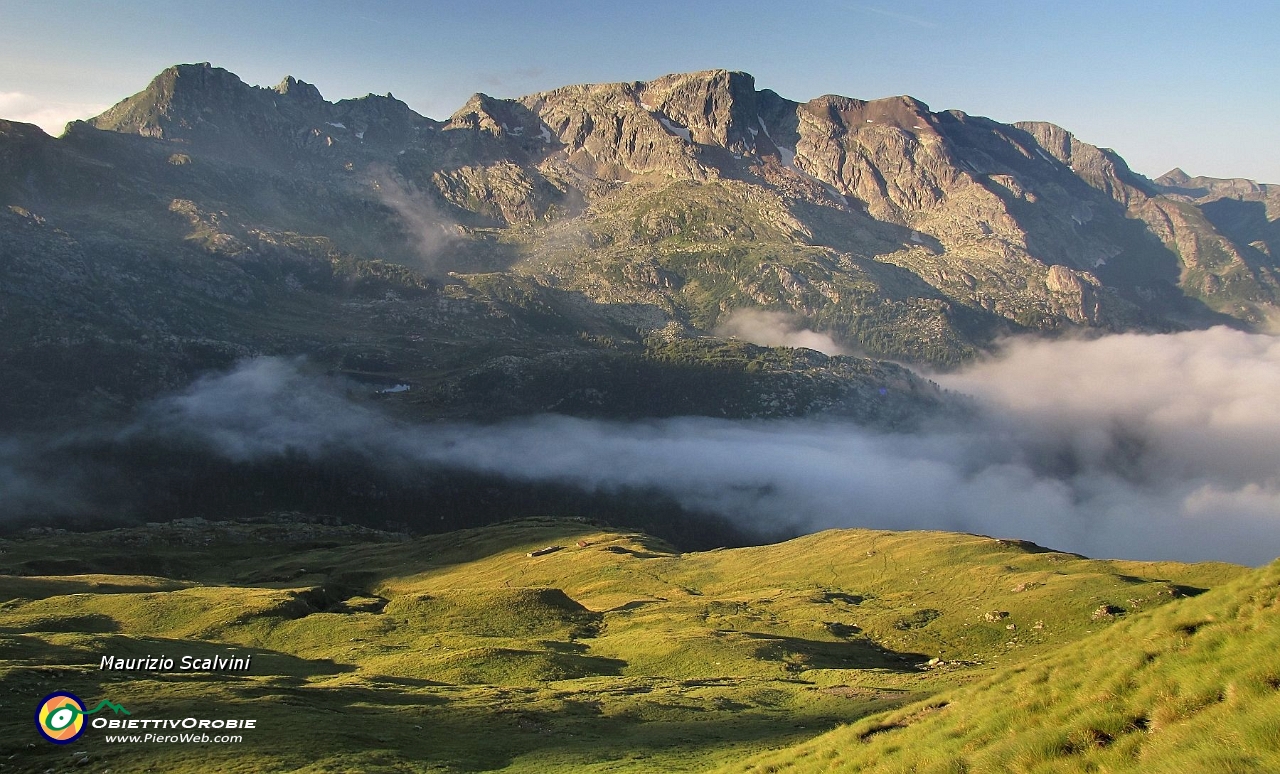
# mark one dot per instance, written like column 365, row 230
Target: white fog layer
column 1135, row 446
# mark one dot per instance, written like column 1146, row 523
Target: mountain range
column 591, row 244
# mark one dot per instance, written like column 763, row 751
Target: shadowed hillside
column 463, row 652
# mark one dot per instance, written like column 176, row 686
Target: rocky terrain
column 566, row 239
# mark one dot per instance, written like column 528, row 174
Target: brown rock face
column 607, row 132
column 900, row 230
column 885, row 154
column 1099, row 167
column 717, row 107
column 1062, row 280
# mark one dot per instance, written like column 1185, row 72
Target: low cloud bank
column 1150, row 447
column 51, row 116
column 775, row 329
column 1170, row 444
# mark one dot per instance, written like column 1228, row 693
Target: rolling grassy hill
column 1191, row 687
column 374, row 651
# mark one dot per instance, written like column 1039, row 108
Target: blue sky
column 1192, row 84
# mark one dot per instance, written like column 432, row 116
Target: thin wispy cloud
column 427, row 230
column 775, row 329
column 897, row 16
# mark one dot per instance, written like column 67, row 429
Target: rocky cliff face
column 596, row 213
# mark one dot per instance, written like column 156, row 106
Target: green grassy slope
column 459, row 652
column 1191, row 687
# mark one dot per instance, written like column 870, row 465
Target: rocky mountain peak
column 209, row 105
column 299, row 90
column 1101, row 168
column 180, row 97
column 1178, row 182
column 718, row 107
column 1174, row 176
column 380, row 109
column 850, row 114
column 200, row 81
column 482, row 112
column 1055, row 140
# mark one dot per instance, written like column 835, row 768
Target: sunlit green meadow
column 460, row 652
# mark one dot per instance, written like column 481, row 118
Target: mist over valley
column 1130, row 446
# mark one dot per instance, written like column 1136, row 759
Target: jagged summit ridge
column 206, row 103
column 301, row 90
column 970, row 206
column 638, row 211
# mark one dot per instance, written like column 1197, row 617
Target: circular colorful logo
column 60, row 717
